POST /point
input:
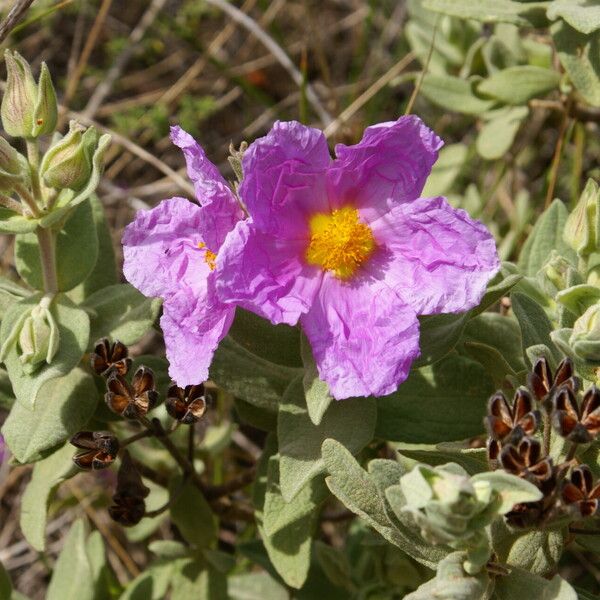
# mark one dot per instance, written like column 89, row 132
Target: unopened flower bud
column 68, row 164
column 28, row 109
column 20, row 96
column 554, row 274
column 582, row 229
column 39, row 338
column 585, row 339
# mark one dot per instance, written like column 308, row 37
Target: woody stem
column 547, row 432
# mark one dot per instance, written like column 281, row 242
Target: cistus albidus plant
column 322, row 377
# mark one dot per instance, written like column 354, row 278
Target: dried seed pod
column 132, row 400
column 507, row 423
column 526, row 460
column 578, row 424
column 186, row 405
column 129, row 506
column 493, row 450
column 526, row 514
column 127, row 510
column 544, row 385
column 579, row 492
column 101, row 449
column 108, row 358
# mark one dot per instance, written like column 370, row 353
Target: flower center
column 339, row 242
column 209, row 257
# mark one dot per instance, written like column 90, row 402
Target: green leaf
column 253, row 379
column 497, row 136
column 12, row 222
column 512, row 489
column 194, row 579
column 547, row 235
column 66, row 405
column 192, row 514
column 5, row 584
column 497, row 289
column 152, row 583
column 362, row 493
column 451, row 160
column 255, row 586
column 316, row 390
column 517, row 85
column 580, row 57
column 473, row 460
column 455, row 94
column 492, row 361
column 76, row 251
column 499, row 332
column 294, row 518
column 424, row 408
column 120, row 312
column 351, row 422
column 452, row 582
column 7, row 398
column 289, row 551
column 72, row 577
column 493, row 11
column 48, row 474
column 104, row 272
column 10, row 293
column 102, row 576
column 520, row 583
column 535, row 325
column 536, row 551
column 73, row 327
column 279, row 344
column 583, row 15
column 335, row 564
column 264, row 419
column 438, row 334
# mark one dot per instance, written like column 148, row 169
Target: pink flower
column 347, row 247
column 170, row 252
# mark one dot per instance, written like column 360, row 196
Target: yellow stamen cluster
column 209, row 257
column 339, row 242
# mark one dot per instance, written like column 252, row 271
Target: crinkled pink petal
column 388, row 166
column 284, row 178
column 160, row 248
column 193, row 326
column 363, row 337
column 220, row 208
column 266, row 274
column 442, row 258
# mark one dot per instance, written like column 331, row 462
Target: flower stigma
column 210, row 258
column 339, row 242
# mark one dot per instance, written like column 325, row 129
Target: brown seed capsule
column 129, row 506
column 509, row 424
column 101, row 449
column 525, row 460
column 525, row 514
column 580, row 493
column 186, row 405
column 132, row 400
column 493, row 450
column 110, row 358
column 543, row 385
column 578, row 424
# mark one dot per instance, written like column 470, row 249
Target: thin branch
column 16, row 14
column 417, row 89
column 121, row 61
column 284, row 60
column 557, row 155
column 92, row 38
column 374, row 89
